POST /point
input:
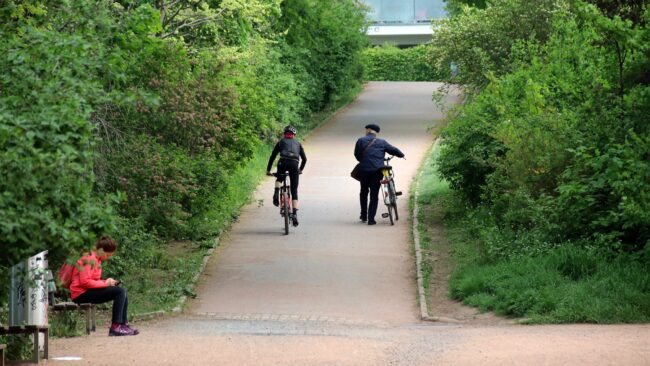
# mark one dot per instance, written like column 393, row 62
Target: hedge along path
column 331, row 266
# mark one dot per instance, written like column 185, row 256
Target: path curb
column 424, row 311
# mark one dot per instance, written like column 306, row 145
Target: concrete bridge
column 403, row 22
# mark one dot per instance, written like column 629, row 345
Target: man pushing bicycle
column 291, row 155
column 369, row 152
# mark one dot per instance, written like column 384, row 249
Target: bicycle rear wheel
column 390, row 213
column 287, row 208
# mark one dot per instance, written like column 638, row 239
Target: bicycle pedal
column 398, row 193
column 384, row 215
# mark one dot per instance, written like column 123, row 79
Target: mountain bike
column 388, row 191
column 286, row 211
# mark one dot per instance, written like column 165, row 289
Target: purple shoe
column 121, row 330
column 135, row 331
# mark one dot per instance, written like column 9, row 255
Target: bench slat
column 71, row 306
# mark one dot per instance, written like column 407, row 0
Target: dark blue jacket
column 373, row 158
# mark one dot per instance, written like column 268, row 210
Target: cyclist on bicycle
column 291, row 154
column 369, row 152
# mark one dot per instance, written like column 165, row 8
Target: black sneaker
column 372, row 222
column 294, row 219
column 276, row 200
column 363, row 218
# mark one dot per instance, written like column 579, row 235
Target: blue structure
column 403, row 22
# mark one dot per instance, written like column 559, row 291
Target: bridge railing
column 403, row 12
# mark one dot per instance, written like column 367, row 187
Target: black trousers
column 291, row 166
column 370, row 183
column 101, row 295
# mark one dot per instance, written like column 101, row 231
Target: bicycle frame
column 388, row 191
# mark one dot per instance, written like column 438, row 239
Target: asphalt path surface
column 332, row 265
column 336, row 291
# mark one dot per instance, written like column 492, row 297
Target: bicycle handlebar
column 391, row 157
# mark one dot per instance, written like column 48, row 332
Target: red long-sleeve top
column 87, row 274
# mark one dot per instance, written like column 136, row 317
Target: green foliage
column 389, row 63
column 479, row 41
column 566, row 285
column 558, row 145
column 325, row 39
column 455, row 7
column 550, row 159
column 518, row 274
column 46, row 143
column 66, row 324
column 142, row 113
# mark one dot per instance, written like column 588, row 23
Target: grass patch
column 541, row 284
column 566, row 285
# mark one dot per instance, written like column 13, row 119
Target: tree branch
column 192, row 24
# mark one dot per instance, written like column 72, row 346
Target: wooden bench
column 34, row 330
column 88, row 310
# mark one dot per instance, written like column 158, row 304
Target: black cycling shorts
column 291, row 166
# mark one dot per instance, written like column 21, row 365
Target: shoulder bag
column 356, row 172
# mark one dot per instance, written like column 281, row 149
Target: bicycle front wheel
column 392, row 194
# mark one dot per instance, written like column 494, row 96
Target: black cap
column 373, row 127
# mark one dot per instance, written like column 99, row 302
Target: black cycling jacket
column 278, row 149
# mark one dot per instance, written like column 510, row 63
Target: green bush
column 389, row 63
column 549, row 159
column 325, row 39
column 550, row 147
column 479, row 41
column 46, row 143
column 142, row 112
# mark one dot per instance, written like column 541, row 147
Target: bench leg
column 36, row 355
column 92, row 312
column 87, row 313
column 46, row 337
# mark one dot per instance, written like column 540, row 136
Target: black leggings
column 102, row 295
column 291, row 166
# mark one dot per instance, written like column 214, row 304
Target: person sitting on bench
column 88, row 287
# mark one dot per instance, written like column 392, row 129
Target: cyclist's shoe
column 294, row 219
column 276, row 199
column 372, row 222
column 363, row 218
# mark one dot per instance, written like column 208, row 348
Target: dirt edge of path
column 435, row 302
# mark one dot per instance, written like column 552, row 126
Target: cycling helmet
column 290, row 129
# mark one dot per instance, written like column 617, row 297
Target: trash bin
column 29, row 295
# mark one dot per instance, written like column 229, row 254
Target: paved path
column 336, row 292
column 332, row 265
column 203, row 341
